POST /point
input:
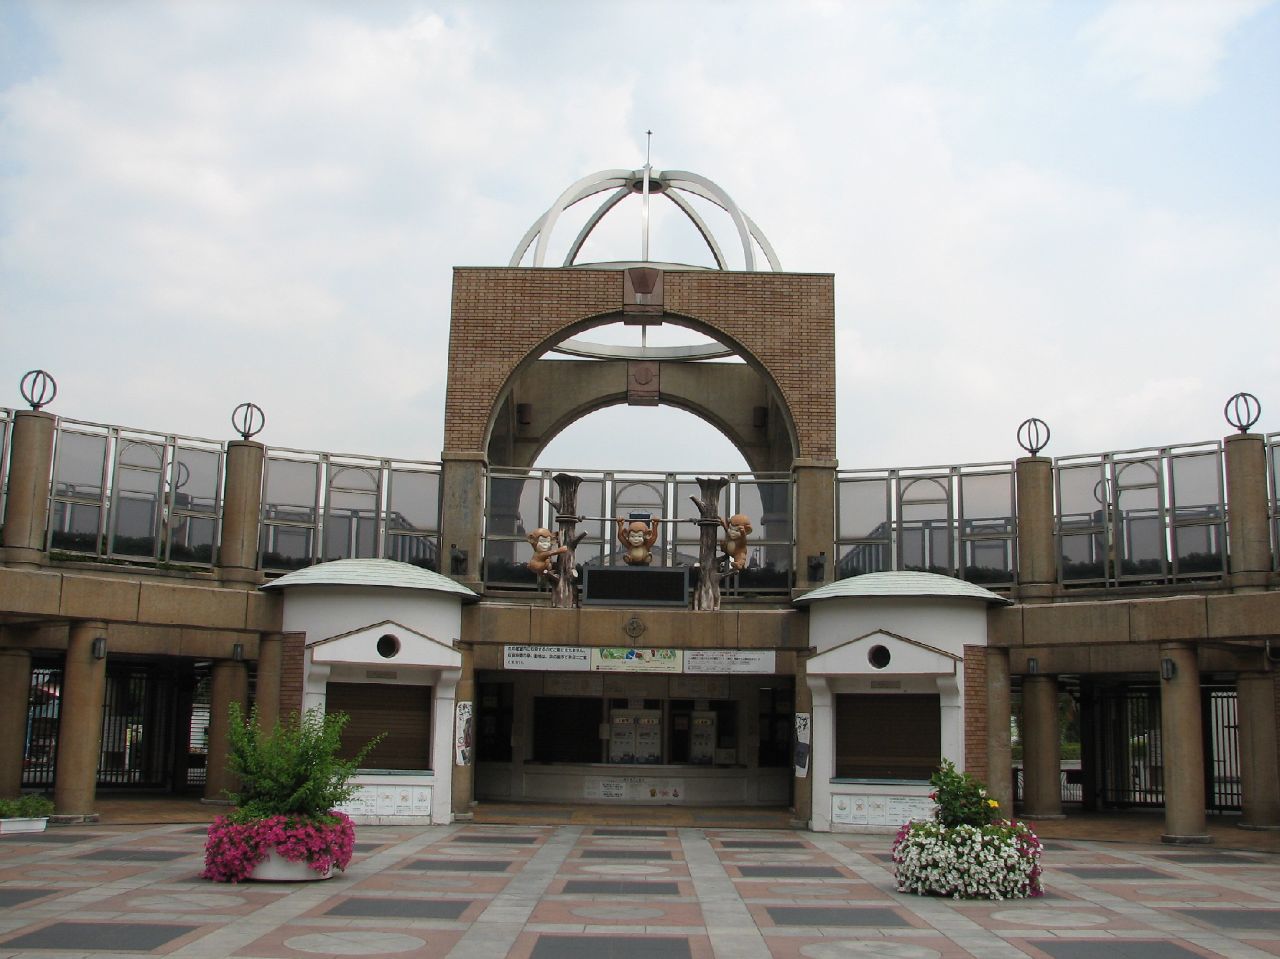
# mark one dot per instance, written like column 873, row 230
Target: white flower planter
column 8, row 826
column 275, row 868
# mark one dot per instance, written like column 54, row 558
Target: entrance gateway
column 787, row 636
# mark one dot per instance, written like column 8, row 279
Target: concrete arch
column 741, row 400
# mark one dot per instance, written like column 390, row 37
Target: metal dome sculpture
column 672, row 184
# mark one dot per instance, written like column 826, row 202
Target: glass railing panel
column 78, row 504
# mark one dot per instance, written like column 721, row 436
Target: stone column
column 1037, row 549
column 1182, row 745
column 462, row 483
column 1259, row 774
column 802, row 786
column 15, row 694
column 26, row 506
column 999, row 748
column 1041, row 750
column 241, row 513
column 84, row 687
column 464, row 776
column 230, row 684
column 1250, row 557
column 815, row 512
column 266, row 690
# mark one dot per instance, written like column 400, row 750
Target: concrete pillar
column 1041, row 750
column 999, row 748
column 1182, row 745
column 462, row 476
column 802, row 786
column 26, row 507
column 267, row 688
column 241, row 512
column 84, row 688
column 464, row 776
column 230, row 684
column 815, row 513
column 15, row 693
column 1247, row 529
column 1259, row 773
column 1037, row 547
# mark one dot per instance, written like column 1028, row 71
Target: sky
column 1066, row 209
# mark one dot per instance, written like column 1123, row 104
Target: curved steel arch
column 666, row 183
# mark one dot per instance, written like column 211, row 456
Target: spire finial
column 644, row 219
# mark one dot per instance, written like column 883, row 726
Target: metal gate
column 1221, row 749
column 1130, row 760
column 147, row 718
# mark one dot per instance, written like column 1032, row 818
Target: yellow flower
column 993, row 804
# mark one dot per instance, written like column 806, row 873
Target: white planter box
column 8, row 826
column 275, row 868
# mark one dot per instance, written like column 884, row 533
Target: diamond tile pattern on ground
column 617, row 887
column 610, row 947
column 625, row 891
column 133, row 937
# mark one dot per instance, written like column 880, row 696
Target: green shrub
column 961, row 799
column 292, row 771
column 25, row 807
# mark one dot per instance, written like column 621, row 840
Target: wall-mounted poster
column 563, row 658
column 463, row 735
column 635, row 659
column 803, row 732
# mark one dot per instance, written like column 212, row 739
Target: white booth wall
column 925, row 637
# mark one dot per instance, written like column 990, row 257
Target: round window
column 878, row 657
column 388, row 646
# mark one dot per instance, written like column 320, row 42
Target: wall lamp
column 237, row 652
column 99, row 647
column 1033, row 665
column 1168, row 669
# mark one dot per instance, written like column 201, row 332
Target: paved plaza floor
column 583, row 891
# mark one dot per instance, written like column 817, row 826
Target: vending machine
column 702, row 737
column 649, row 736
column 622, row 736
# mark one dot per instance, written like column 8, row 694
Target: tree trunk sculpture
column 707, row 595
column 564, row 594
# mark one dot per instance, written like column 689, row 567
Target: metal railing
column 1149, row 515
column 516, row 504
column 954, row 520
column 1131, row 517
column 325, row 506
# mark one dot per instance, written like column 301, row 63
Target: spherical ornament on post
column 1242, row 411
column 38, row 388
column 248, row 420
column 1033, row 435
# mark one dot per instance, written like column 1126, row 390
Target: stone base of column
column 24, row 557
column 236, row 577
column 464, row 817
column 1043, row 817
column 1186, row 840
column 65, row 819
column 799, row 824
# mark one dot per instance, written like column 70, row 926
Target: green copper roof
column 902, row 583
column 371, row 572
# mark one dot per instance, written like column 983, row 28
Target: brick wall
column 975, row 711
column 502, row 316
column 293, row 653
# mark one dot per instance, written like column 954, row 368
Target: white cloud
column 1165, row 50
